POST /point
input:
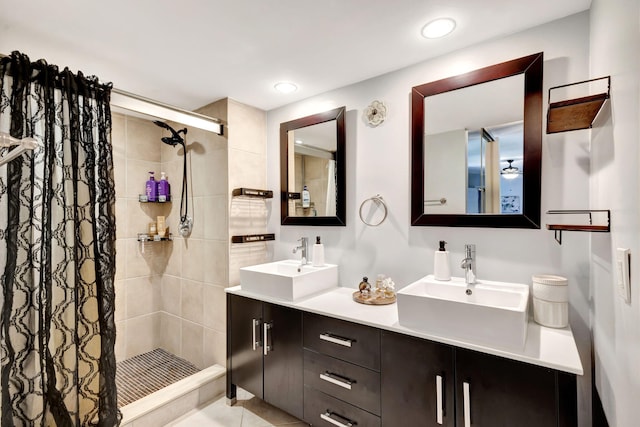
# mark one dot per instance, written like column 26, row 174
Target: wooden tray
column 373, row 298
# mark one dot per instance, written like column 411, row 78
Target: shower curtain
column 57, row 254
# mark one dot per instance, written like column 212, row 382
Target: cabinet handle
column 266, row 347
column 255, row 342
column 337, row 380
column 330, row 417
column 336, row 339
column 440, row 409
column 467, row 404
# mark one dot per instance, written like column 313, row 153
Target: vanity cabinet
column 341, row 372
column 493, row 391
column 431, row 384
column 264, row 352
column 331, row 372
column 417, row 382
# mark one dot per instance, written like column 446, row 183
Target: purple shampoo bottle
column 152, row 188
column 164, row 189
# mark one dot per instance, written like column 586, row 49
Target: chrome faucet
column 304, row 247
column 468, row 264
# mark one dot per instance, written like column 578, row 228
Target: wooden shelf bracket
column 577, row 113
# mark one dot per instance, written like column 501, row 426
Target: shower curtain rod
column 139, row 104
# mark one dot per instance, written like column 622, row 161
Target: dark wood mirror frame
column 337, row 114
column 531, row 66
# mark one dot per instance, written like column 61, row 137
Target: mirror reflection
column 473, row 158
column 314, row 180
column 313, row 169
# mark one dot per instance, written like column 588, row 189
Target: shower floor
column 149, row 372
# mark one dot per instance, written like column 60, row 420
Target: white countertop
column 548, row 347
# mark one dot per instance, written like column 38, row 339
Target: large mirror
column 313, row 169
column 476, row 147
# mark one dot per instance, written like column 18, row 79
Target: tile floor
column 247, row 412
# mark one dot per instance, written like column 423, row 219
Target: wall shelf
column 144, row 238
column 251, row 238
column 251, row 192
column 142, row 198
column 559, row 228
column 577, row 113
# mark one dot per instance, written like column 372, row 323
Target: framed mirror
column 476, row 147
column 313, row 169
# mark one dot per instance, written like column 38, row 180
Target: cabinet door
column 283, row 375
column 496, row 392
column 417, row 382
column 244, row 347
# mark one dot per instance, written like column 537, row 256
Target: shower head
column 175, row 137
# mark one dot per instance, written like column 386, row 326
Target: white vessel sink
column 495, row 313
column 288, row 280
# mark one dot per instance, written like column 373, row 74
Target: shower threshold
column 149, row 372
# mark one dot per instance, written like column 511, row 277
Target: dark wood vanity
column 329, row 371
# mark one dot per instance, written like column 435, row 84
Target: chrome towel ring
column 380, row 203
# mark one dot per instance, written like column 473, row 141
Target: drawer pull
column 255, row 342
column 337, row 380
column 336, row 339
column 466, row 394
column 439, row 411
column 266, row 347
column 330, row 417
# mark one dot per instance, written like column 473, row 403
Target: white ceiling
column 193, row 52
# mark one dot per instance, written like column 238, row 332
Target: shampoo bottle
column 318, row 253
column 164, row 189
column 152, row 188
column 441, row 268
column 306, row 197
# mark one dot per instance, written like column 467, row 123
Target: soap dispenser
column 441, row 267
column 318, row 253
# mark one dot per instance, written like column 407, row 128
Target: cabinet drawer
column 348, row 341
column 326, row 411
column 346, row 381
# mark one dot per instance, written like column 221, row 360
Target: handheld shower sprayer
column 175, row 137
column 186, row 222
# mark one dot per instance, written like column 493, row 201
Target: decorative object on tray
column 375, row 113
column 383, row 293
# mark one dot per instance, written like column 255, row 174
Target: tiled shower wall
column 172, row 294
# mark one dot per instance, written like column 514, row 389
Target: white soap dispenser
column 441, row 267
column 318, row 253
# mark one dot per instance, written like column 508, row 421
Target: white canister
column 550, row 300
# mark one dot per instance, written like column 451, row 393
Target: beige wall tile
column 143, row 295
column 121, row 340
column 171, row 295
column 121, row 300
column 192, row 342
column 171, row 335
column 193, row 259
column 197, row 214
column 246, row 169
column 215, row 348
column 121, row 258
column 173, row 256
column 137, row 176
column 142, row 334
column 249, row 127
column 216, row 262
column 215, row 307
column 192, row 302
column 143, row 140
column 209, row 173
column 215, row 218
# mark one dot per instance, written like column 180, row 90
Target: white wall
column 615, row 51
column 379, row 162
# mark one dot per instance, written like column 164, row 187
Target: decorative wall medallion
column 375, row 113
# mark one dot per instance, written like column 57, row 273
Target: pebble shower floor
column 149, row 372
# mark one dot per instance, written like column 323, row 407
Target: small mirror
column 313, row 170
column 476, row 147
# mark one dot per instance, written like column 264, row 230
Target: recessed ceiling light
column 285, row 87
column 298, row 141
column 438, row 28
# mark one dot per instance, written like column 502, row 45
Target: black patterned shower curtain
column 57, row 250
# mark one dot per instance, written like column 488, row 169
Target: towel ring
column 378, row 200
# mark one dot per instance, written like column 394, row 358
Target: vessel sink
column 486, row 313
column 288, row 280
